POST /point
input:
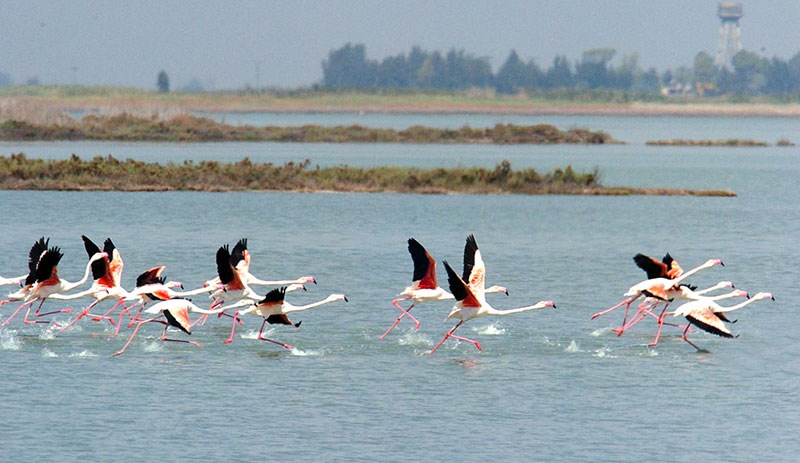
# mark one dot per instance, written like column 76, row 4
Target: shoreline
column 115, row 101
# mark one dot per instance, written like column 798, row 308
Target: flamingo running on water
column 472, row 302
column 424, row 287
column 37, row 249
column 175, row 313
column 49, row 283
column 655, row 288
column 275, row 310
column 107, row 274
column 240, row 260
column 690, row 295
column 710, row 316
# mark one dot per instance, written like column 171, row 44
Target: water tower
column 729, row 32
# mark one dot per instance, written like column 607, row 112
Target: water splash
column 155, row 345
column 573, row 347
column 490, row 330
column 305, row 353
column 83, row 354
column 414, row 338
column 8, row 341
column 601, row 332
column 47, row 353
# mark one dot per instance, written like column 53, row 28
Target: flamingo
column 656, row 288
column 152, row 286
column 16, row 281
column 107, row 274
column 472, row 303
column 175, row 313
column 680, row 292
column 709, row 316
column 240, row 260
column 690, row 295
column 49, row 283
column 424, row 287
column 37, row 249
column 275, row 310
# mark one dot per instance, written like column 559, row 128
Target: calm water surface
column 549, row 385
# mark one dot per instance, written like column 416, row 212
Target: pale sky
column 230, row 44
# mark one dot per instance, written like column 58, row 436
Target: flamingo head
column 760, row 296
column 304, row 280
column 497, row 289
column 740, row 293
column 295, row 287
column 338, row 297
column 174, row 284
column 545, row 304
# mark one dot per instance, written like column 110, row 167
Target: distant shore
column 54, row 100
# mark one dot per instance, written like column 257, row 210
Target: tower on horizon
column 729, row 32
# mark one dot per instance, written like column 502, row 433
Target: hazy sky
column 229, row 44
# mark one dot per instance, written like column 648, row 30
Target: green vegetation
column 747, row 75
column 17, row 172
column 186, row 128
column 730, row 142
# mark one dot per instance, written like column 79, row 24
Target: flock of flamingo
column 231, row 290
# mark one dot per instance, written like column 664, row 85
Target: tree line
column 749, row 74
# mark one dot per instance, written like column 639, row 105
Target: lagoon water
column 549, row 385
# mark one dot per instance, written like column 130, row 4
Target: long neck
column 192, row 292
column 691, row 272
column 729, row 295
column 288, row 308
column 68, row 297
column 252, row 280
column 67, row 286
column 720, row 285
column 537, row 306
column 737, row 306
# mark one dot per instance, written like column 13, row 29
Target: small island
column 18, row 172
column 189, row 128
column 730, row 142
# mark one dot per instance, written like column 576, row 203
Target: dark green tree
column 592, row 71
column 559, row 75
column 162, row 82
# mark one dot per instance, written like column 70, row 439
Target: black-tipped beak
column 506, row 292
column 346, row 300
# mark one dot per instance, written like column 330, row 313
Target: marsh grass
column 729, row 142
column 18, row 172
column 187, row 128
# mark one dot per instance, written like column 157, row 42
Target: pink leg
column 165, row 338
column 16, row 312
column 126, row 310
column 262, row 338
column 32, row 322
column 139, row 325
column 233, row 328
column 37, row 314
column 626, row 302
column 105, row 316
column 84, row 313
column 660, row 325
column 447, row 335
column 643, row 310
column 400, row 317
column 683, row 336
